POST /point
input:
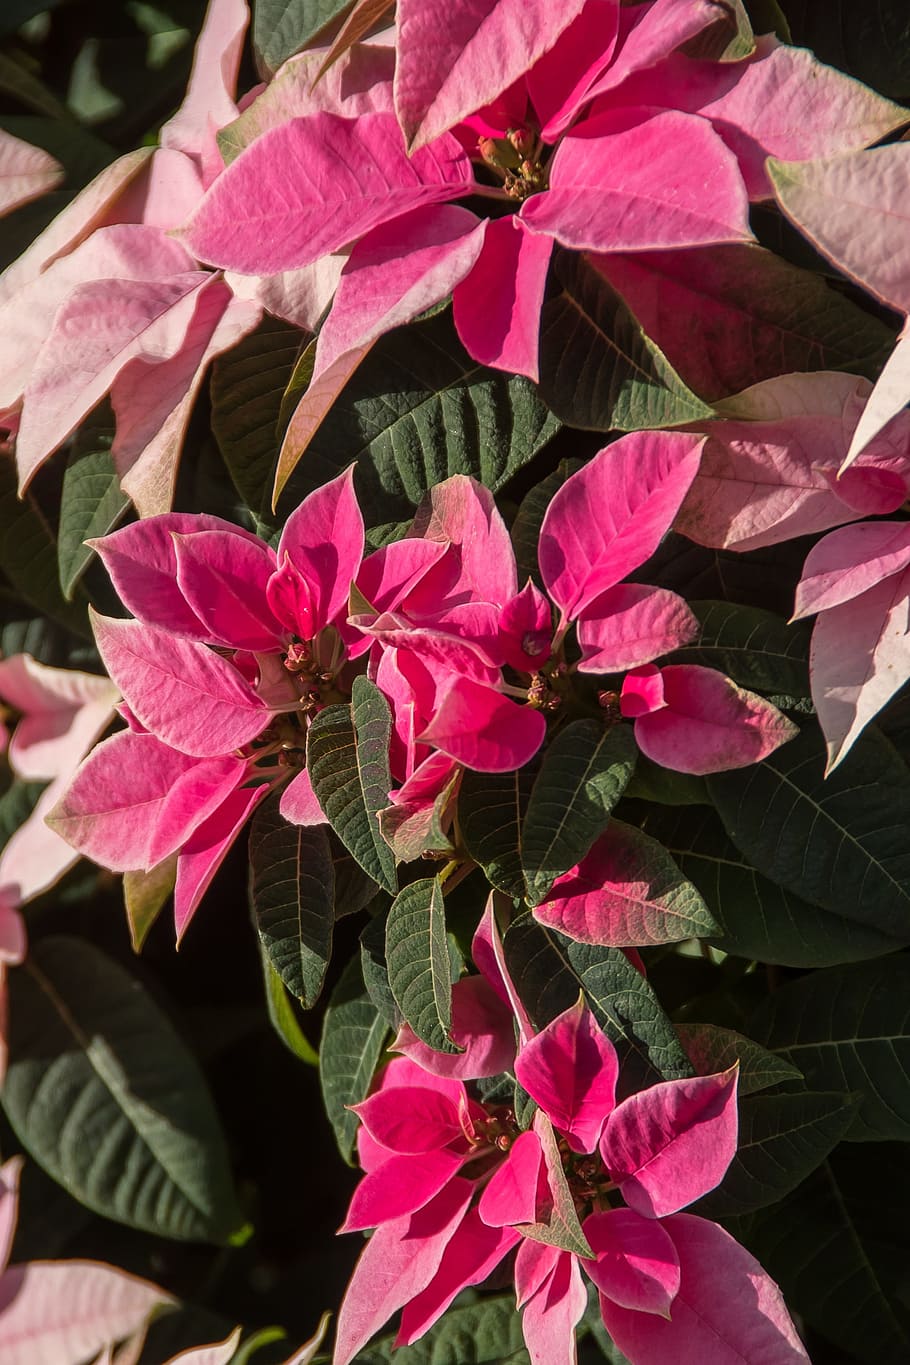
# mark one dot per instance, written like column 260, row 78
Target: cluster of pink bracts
column 234, row 647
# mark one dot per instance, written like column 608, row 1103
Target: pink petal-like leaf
column 860, row 657
column 513, row 1192
column 727, row 1311
column 642, row 691
column 206, row 849
column 452, row 62
column 483, row 729
column 616, row 187
column 464, row 513
column 410, row 1119
column 67, row 1310
column 637, row 1265
column 184, row 692
column 629, row 625
column 526, row 629
column 849, row 562
column 496, row 309
column 558, row 81
column 399, row 270
column 109, row 811
column 487, row 952
column 855, row 209
column 627, row 890
column 315, row 184
column 62, row 713
column 670, row 1144
column 223, row 578
column 397, row 1264
column 473, row 1253
column 709, row 724
column 638, row 484
column 10, row 1172
column 889, row 397
column 401, row 1185
column 299, row 804
column 651, row 32
column 320, row 551
column 25, row 172
column 208, row 104
column 570, row 1068
column 481, row 1025
column 193, row 797
column 551, row 1315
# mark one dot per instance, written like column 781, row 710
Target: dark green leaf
column 283, row 27
column 729, row 316
column 598, row 370
column 353, row 1036
column 281, row 1013
column 292, row 892
column 418, row 962
column 353, row 888
column 848, row 1029
column 583, row 774
column 711, row 1049
column 840, row 1246
column 104, row 1095
column 418, row 410
column 841, row 841
column 525, row 530
column 248, row 383
column 549, row 970
column 753, row 647
column 759, row 919
column 491, row 808
column 91, row 504
column 375, row 971
column 145, row 895
column 348, row 762
column 18, row 12
column 28, row 555
column 870, row 42
column 483, row 1333
column 651, row 782
column 782, row 1139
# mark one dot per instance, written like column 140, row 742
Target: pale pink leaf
column 34, row 858
column 208, row 104
column 399, row 270
column 67, row 1310
column 453, row 62
column 315, row 184
column 638, row 483
column 708, row 724
column 483, row 729
column 482, row 1025
column 889, row 397
column 401, row 1185
column 319, row 554
column 496, row 309
column 463, row 512
column 218, row 1353
column 859, row 658
column 10, row 1172
column 727, row 1311
column 100, row 328
column 849, row 562
column 142, row 563
column 397, row 1264
column 668, row 1145
column 631, row 624
column 570, row 1068
column 627, row 890
column 473, row 1253
column 639, row 182
column 166, row 190
column 551, row 1315
column 62, row 713
column 189, row 696
column 310, row 413
column 108, row 813
column 126, row 252
column 308, row 1351
column 25, row 172
column 300, row 297
column 855, row 209
column 637, row 1265
column 206, row 849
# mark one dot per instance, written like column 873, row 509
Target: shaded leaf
column 549, row 970
column 283, row 27
column 353, row 1036
column 525, row 530
column 871, row 43
column 598, row 370
column 292, row 893
column 712, row 1049
column 145, row 895
column 839, row 841
column 91, row 504
column 782, row 1139
column 348, row 762
column 491, row 808
column 583, row 774
column 755, row 648
column 417, row 957
column 281, row 1013
column 848, row 1029
column 28, row 555
column 484, row 1333
column 104, row 1095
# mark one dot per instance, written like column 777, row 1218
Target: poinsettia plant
column 454, row 584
